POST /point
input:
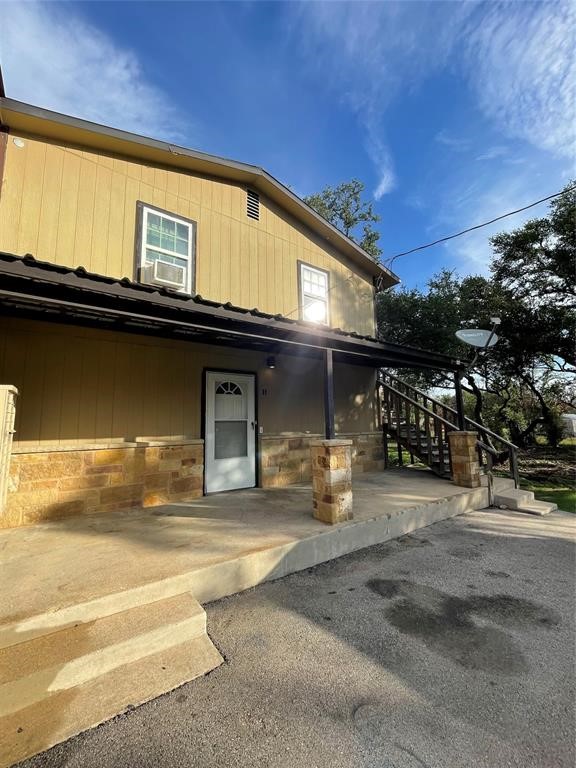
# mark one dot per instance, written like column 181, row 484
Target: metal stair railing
column 487, row 453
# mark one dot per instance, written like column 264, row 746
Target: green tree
column 430, row 319
column 514, row 387
column 537, row 264
column 523, row 383
column 538, row 261
column 344, row 207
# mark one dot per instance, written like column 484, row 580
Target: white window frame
column 144, row 210
column 303, row 295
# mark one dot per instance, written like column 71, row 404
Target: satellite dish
column 477, row 337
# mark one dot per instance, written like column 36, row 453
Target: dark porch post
column 459, row 400
column 330, row 432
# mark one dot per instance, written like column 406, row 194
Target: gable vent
column 253, row 204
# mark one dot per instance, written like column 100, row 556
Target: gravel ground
column 448, row 648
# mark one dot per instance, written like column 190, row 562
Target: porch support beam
column 329, row 429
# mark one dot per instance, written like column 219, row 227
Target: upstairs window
column 314, row 290
column 165, row 249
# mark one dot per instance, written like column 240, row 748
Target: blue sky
column 450, row 112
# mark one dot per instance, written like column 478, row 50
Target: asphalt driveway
column 451, row 647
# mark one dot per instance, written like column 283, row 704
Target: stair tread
column 538, row 507
column 428, row 450
column 68, row 712
column 82, row 639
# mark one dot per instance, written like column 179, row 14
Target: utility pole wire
column 443, row 239
column 392, row 259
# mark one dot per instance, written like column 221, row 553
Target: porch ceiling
column 41, row 290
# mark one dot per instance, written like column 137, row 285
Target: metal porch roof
column 43, row 290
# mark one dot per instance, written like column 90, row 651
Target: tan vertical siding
column 81, row 385
column 78, row 208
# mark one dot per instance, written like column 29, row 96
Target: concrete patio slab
column 60, row 573
column 101, row 612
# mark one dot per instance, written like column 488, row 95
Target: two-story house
column 175, row 323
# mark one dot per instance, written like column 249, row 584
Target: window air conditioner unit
column 162, row 273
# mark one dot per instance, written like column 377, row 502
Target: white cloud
column 386, row 184
column 515, row 58
column 369, row 53
column 521, row 65
column 53, row 58
column 493, row 153
column 455, row 143
column 380, row 155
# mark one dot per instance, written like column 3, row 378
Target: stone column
column 8, row 395
column 332, row 480
column 464, row 458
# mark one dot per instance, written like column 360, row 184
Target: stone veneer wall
column 51, row 484
column 367, row 451
column 286, row 459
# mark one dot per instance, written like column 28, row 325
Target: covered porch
column 103, row 612
column 81, row 568
column 115, row 381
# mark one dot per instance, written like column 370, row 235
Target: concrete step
column 523, row 501
column 101, row 666
column 503, row 484
column 91, row 609
column 73, row 710
column 77, row 654
column 513, row 498
column 539, row 508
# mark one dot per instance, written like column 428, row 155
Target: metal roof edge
column 222, row 308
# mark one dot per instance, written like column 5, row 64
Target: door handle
column 253, row 425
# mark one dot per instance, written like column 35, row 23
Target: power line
column 392, row 259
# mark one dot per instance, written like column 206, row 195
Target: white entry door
column 230, row 438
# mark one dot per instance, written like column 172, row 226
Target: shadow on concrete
column 160, row 535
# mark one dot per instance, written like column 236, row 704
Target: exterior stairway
column 59, row 677
column 419, row 424
column 431, row 449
